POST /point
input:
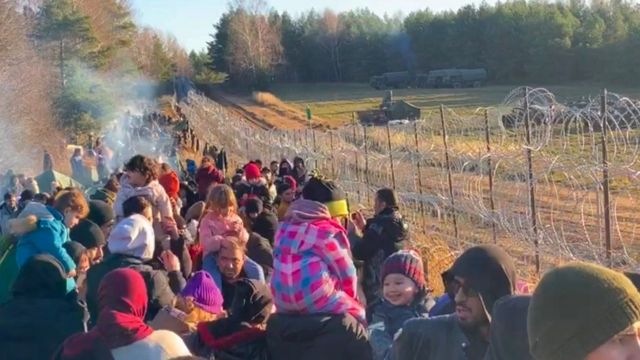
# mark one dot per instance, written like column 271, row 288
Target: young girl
column 404, row 292
column 199, row 301
column 220, row 218
column 141, row 179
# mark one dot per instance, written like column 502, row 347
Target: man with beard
column 482, row 275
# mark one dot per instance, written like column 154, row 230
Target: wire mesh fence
column 550, row 182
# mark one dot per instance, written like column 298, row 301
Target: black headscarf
column 489, row 270
column 41, row 277
column 509, row 337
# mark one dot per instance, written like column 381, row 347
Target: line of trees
column 66, row 66
column 515, row 41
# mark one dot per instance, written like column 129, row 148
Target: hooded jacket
column 205, row 177
column 259, row 250
column 41, row 315
column 265, row 225
column 6, row 214
column 41, row 230
column 162, row 286
column 488, row 270
column 242, row 335
column 509, row 336
column 260, row 190
column 383, row 235
column 317, row 337
column 313, row 270
column 155, row 194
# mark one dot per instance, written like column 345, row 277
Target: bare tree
column 331, row 37
column 255, row 46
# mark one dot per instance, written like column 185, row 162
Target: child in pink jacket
column 220, row 218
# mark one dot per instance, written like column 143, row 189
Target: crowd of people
column 271, row 263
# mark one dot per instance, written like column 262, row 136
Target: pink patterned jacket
column 313, row 270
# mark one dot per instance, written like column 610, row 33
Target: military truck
column 395, row 80
column 452, row 78
column 389, row 110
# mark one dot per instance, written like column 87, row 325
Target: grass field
column 338, row 101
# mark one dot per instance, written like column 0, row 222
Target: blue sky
column 191, row 21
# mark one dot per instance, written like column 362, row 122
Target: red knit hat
column 290, row 181
column 171, row 184
column 252, row 171
column 407, row 263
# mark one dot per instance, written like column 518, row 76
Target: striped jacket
column 313, row 269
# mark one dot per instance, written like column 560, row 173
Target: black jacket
column 259, row 250
column 266, row 225
column 261, row 191
column 509, row 337
column 317, row 337
column 439, row 338
column 161, row 285
column 35, row 328
column 383, row 235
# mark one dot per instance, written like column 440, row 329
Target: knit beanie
column 578, row 307
column 326, row 192
column 407, row 263
column 252, row 171
column 100, row 212
column 75, row 250
column 88, row 234
column 206, row 295
column 171, row 184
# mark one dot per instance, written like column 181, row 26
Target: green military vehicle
column 452, row 78
column 390, row 110
column 395, row 80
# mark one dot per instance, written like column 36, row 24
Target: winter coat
column 317, row 337
column 251, row 269
column 162, row 286
column 265, row 225
column 40, row 315
column 241, row 335
column 22, row 322
column 205, row 177
column 444, row 306
column 248, row 343
column 6, row 214
column 383, row 235
column 313, row 270
column 488, row 270
column 155, row 194
column 439, row 338
column 245, row 190
column 213, row 227
column 259, row 250
column 221, row 160
column 41, row 230
column 387, row 320
column 509, row 336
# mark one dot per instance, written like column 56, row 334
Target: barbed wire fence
column 550, row 182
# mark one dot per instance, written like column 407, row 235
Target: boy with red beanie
column 404, row 293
